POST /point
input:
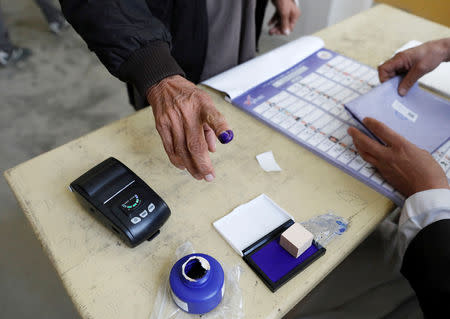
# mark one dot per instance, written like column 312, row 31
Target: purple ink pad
column 276, row 262
column 273, row 264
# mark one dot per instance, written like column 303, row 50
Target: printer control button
column 143, row 214
column 135, row 220
column 151, row 207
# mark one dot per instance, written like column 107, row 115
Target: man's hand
column 406, row 167
column 188, row 124
column 284, row 19
column 415, row 62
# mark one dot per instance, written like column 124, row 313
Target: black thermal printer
column 122, row 201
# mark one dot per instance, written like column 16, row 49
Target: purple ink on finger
column 226, row 137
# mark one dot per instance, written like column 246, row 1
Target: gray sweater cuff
column 147, row 66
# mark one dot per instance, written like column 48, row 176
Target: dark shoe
column 57, row 27
column 14, row 55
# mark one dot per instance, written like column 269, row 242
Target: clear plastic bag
column 326, row 227
column 229, row 308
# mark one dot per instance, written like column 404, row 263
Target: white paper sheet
column 243, row 77
column 250, row 222
column 437, row 80
column 267, row 162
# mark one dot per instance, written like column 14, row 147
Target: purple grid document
column 306, row 103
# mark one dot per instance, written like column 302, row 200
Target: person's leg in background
column 9, row 53
column 53, row 15
column 5, row 42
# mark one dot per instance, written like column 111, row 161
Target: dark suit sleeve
column 426, row 265
column 132, row 43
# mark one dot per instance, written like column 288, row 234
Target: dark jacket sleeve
column 426, row 265
column 131, row 42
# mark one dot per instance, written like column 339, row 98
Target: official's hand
column 406, row 167
column 284, row 19
column 415, row 62
column 188, row 124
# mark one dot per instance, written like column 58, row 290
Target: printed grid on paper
column 306, row 103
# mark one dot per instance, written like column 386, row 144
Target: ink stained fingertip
column 226, row 137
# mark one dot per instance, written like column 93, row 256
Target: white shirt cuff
column 419, row 211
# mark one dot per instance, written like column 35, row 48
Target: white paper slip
column 404, row 111
column 267, row 162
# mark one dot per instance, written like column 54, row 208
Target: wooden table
column 436, row 10
column 105, row 279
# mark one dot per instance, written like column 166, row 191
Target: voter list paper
column 306, row 103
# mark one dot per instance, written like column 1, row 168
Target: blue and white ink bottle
column 197, row 283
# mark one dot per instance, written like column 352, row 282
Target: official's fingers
column 217, row 123
column 273, row 20
column 284, row 22
column 369, row 159
column 210, row 137
column 382, row 131
column 365, row 144
column 198, row 147
column 275, row 31
column 392, row 67
column 295, row 14
column 416, row 72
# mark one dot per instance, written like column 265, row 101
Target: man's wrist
column 430, row 186
column 149, row 65
column 156, row 89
